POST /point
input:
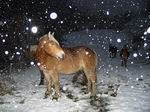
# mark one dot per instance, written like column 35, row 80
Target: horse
column 112, row 51
column 55, row 60
column 124, row 54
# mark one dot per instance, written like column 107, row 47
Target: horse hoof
column 41, row 83
column 55, row 98
column 45, row 97
column 92, row 97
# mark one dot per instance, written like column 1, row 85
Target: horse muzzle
column 61, row 56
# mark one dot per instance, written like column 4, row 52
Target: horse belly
column 69, row 68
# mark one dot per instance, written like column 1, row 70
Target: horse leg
column 122, row 62
column 56, row 81
column 125, row 62
column 109, row 54
column 42, row 78
column 89, row 87
column 84, row 79
column 115, row 54
column 91, row 78
column 75, row 78
column 48, row 79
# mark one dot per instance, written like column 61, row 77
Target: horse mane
column 43, row 37
column 50, row 37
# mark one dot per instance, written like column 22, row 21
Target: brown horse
column 54, row 60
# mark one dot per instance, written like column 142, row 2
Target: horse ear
column 51, row 37
column 53, row 33
column 49, row 34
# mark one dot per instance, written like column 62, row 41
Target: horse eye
column 51, row 44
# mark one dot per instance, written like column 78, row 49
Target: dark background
column 73, row 15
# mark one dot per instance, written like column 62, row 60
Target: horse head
column 52, row 47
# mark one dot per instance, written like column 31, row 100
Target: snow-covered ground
column 119, row 89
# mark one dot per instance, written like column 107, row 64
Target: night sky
column 17, row 17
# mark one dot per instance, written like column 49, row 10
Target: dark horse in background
column 124, row 54
column 112, row 51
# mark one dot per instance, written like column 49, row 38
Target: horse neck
column 40, row 52
column 125, row 50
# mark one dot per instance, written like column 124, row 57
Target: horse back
column 80, row 52
column 82, row 55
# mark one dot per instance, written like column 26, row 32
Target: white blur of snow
column 134, row 82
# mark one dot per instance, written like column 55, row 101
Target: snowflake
column 38, row 64
column 141, row 76
column 3, row 40
column 34, row 29
column 27, row 28
column 118, row 40
column 87, row 53
column 137, row 79
column 145, row 44
column 16, row 106
column 53, row 15
column 135, row 55
column 145, row 39
column 2, row 36
column 18, row 53
column 6, row 52
column 90, row 35
column 148, row 30
column 132, row 62
column 64, row 88
column 6, row 35
column 32, row 63
column 29, row 20
column 107, row 13
column 145, row 33
column 61, row 22
column 70, row 6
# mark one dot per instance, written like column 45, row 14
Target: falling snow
column 3, row 40
column 6, row 52
column 107, row 12
column 53, row 15
column 92, row 23
column 118, row 40
column 135, row 55
column 34, row 29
